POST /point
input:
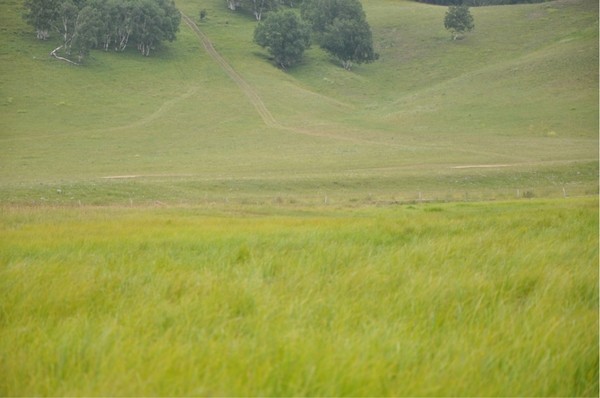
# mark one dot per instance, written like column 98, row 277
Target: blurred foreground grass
column 455, row 299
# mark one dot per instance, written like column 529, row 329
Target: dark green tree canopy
column 41, row 15
column 349, row 40
column 258, row 7
column 322, row 13
column 458, row 20
column 341, row 28
column 480, row 3
column 85, row 24
column 86, row 33
column 285, row 36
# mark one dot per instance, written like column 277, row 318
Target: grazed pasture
column 199, row 129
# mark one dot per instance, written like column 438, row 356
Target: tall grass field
column 455, row 299
column 202, row 223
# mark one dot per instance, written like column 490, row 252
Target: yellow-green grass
column 440, row 300
column 352, row 188
column 520, row 91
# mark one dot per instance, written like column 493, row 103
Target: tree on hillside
column 154, row 21
column 321, row 13
column 291, row 3
column 85, row 24
column 258, row 7
column 122, row 23
column 341, row 29
column 480, row 3
column 285, row 36
column 350, row 41
column 65, row 24
column 114, row 23
column 261, row 6
column 233, row 4
column 458, row 20
column 41, row 14
column 86, row 31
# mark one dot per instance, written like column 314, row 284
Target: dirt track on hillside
column 255, row 98
column 250, row 93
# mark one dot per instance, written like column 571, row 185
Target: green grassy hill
column 511, row 110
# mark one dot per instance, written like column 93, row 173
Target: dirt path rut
column 254, row 97
column 250, row 93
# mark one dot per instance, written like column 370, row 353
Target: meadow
column 431, row 300
column 501, row 113
column 202, row 223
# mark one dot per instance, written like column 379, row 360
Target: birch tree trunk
column 53, row 54
column 233, row 4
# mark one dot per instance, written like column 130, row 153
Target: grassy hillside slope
column 519, row 94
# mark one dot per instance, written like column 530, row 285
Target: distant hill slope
column 520, row 92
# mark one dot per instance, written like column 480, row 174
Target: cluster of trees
column 285, row 36
column 260, row 7
column 107, row 24
column 479, row 3
column 339, row 27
